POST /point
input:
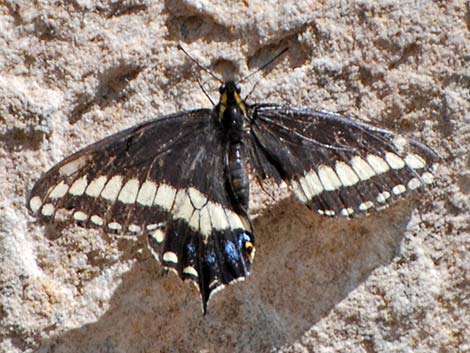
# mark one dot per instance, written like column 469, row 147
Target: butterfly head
column 230, row 87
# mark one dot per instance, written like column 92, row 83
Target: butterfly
column 183, row 180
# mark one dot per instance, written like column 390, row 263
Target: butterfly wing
column 163, row 178
column 335, row 165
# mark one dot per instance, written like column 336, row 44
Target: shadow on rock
column 305, row 265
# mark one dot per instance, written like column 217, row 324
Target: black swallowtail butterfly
column 183, row 180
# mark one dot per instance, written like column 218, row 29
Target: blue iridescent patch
column 231, row 251
column 191, row 249
column 210, row 259
column 243, row 238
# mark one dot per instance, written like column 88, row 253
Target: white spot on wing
column 97, row 220
column 35, row 203
column 170, row 256
column 190, row 270
column 114, row 226
column 428, row 178
column 158, row 235
column 328, row 178
column 73, row 166
column 47, row 210
column 165, row 196
column 218, row 287
column 399, row 189
column 80, row 216
column 394, row 161
column 59, row 191
column 345, row 173
column 362, row 168
column 153, row 226
column 346, row 212
column 79, row 186
column 134, row 228
column 414, row 184
column 414, row 161
column 129, row 192
column 147, row 193
column 377, row 163
column 112, row 188
column 366, row 205
column 383, row 197
column 62, row 215
column 95, row 187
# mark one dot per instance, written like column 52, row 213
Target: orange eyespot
column 250, row 250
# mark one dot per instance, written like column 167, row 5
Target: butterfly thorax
column 232, row 111
column 233, row 116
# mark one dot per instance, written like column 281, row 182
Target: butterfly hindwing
column 335, row 165
column 163, row 178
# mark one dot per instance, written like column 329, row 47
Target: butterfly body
column 232, row 111
column 183, row 180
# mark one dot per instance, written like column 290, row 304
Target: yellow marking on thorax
column 240, row 103
column 222, row 105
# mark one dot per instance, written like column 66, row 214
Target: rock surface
column 396, row 281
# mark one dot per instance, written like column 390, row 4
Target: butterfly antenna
column 265, row 65
column 201, row 86
column 251, row 90
column 199, row 65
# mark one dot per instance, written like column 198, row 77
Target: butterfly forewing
column 163, row 178
column 335, row 165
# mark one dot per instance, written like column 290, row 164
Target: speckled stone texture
column 72, row 72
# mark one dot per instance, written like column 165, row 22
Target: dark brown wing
column 335, row 165
column 163, row 178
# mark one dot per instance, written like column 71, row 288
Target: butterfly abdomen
column 238, row 174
